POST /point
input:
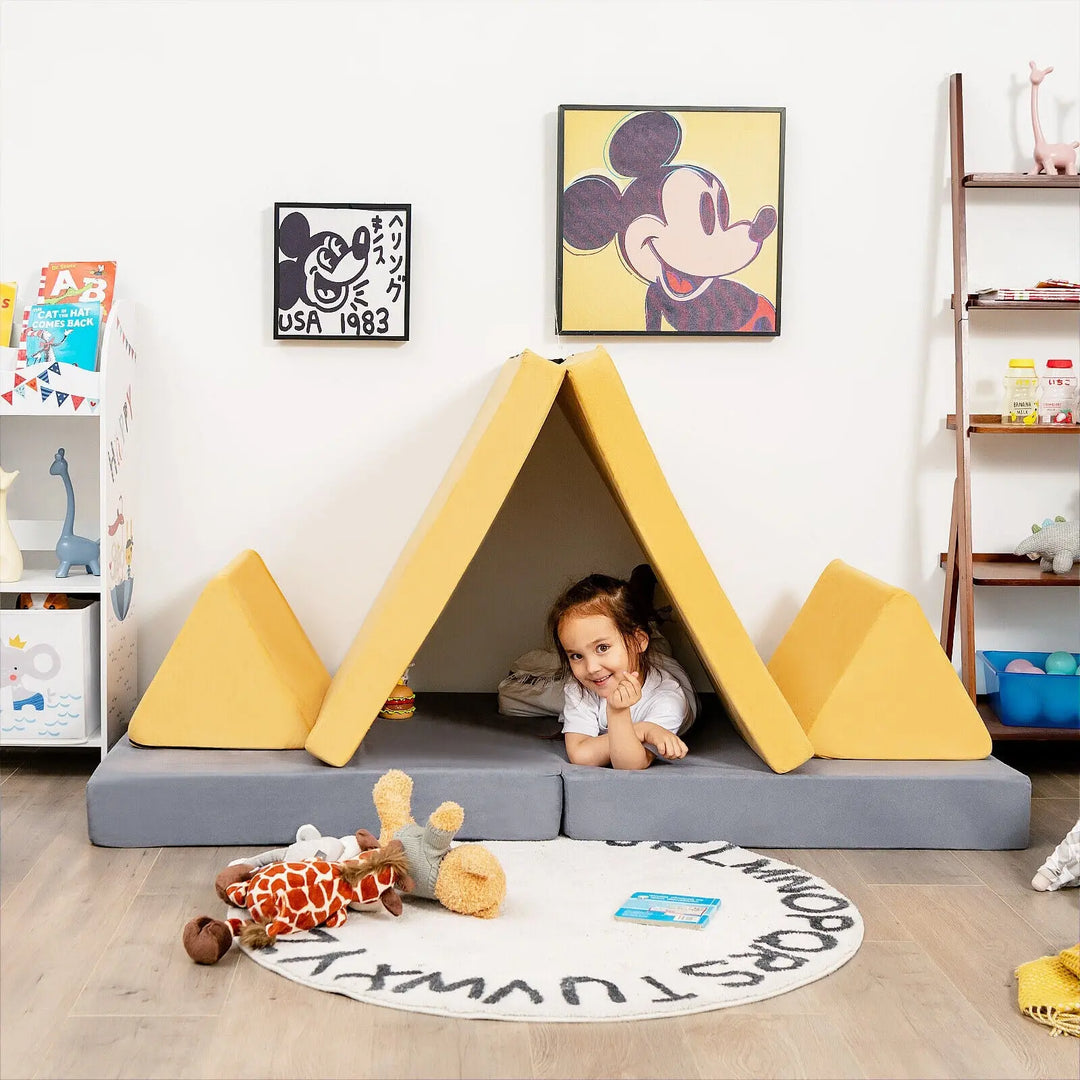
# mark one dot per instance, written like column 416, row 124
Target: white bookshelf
column 93, row 415
column 45, row 580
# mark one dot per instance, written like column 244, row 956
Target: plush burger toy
column 400, row 705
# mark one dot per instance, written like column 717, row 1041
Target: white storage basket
column 49, row 673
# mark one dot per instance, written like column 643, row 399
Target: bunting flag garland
column 40, row 390
column 128, row 347
column 48, row 385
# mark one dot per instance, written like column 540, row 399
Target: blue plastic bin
column 1027, row 699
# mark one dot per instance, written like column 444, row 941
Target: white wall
column 161, row 134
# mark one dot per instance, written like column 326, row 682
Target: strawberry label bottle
column 1058, row 393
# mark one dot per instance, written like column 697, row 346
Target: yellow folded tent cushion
column 441, row 547
column 866, row 676
column 592, row 395
column 596, row 403
column 241, row 673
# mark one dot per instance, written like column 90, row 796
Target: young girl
column 624, row 703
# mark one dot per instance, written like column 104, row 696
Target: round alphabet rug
column 557, row 952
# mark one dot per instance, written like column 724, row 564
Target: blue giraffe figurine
column 72, row 549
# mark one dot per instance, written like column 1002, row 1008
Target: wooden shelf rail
column 1004, row 569
column 990, row 424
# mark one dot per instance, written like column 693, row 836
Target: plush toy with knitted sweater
column 284, row 897
column 467, row 879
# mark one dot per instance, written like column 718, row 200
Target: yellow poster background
column 599, row 293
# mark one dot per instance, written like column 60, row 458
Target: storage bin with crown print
column 50, row 677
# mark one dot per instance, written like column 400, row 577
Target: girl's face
column 597, row 652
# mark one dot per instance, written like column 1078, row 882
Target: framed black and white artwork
column 342, row 271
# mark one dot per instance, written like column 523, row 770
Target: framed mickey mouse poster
column 670, row 220
column 342, row 271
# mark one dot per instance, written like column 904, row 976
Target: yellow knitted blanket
column 1050, row 991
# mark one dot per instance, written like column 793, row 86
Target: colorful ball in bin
column 1061, row 663
column 1020, row 664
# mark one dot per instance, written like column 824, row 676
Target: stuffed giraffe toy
column 287, row 897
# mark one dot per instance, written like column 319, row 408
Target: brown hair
column 599, row 594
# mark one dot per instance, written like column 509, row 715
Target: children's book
column 8, row 289
column 70, row 282
column 669, row 909
column 64, row 333
column 78, row 283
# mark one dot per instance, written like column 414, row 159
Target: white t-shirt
column 667, row 699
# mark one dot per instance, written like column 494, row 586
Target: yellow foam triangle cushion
column 599, row 409
column 442, row 545
column 241, row 673
column 866, row 676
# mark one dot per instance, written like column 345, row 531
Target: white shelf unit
column 34, row 421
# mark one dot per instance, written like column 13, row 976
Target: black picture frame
column 626, row 185
column 342, row 271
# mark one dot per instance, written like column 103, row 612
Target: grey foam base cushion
column 517, row 785
column 457, row 747
column 722, row 789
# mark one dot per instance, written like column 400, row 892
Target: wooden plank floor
column 94, row 981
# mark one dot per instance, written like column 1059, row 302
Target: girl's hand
column 627, row 690
column 667, row 744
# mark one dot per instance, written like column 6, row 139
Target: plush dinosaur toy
column 1056, row 544
column 291, row 896
column 467, row 879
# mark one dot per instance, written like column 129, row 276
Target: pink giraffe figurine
column 1050, row 158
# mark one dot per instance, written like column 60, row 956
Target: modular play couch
column 858, row 732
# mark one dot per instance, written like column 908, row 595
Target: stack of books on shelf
column 56, row 362
column 1052, row 289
